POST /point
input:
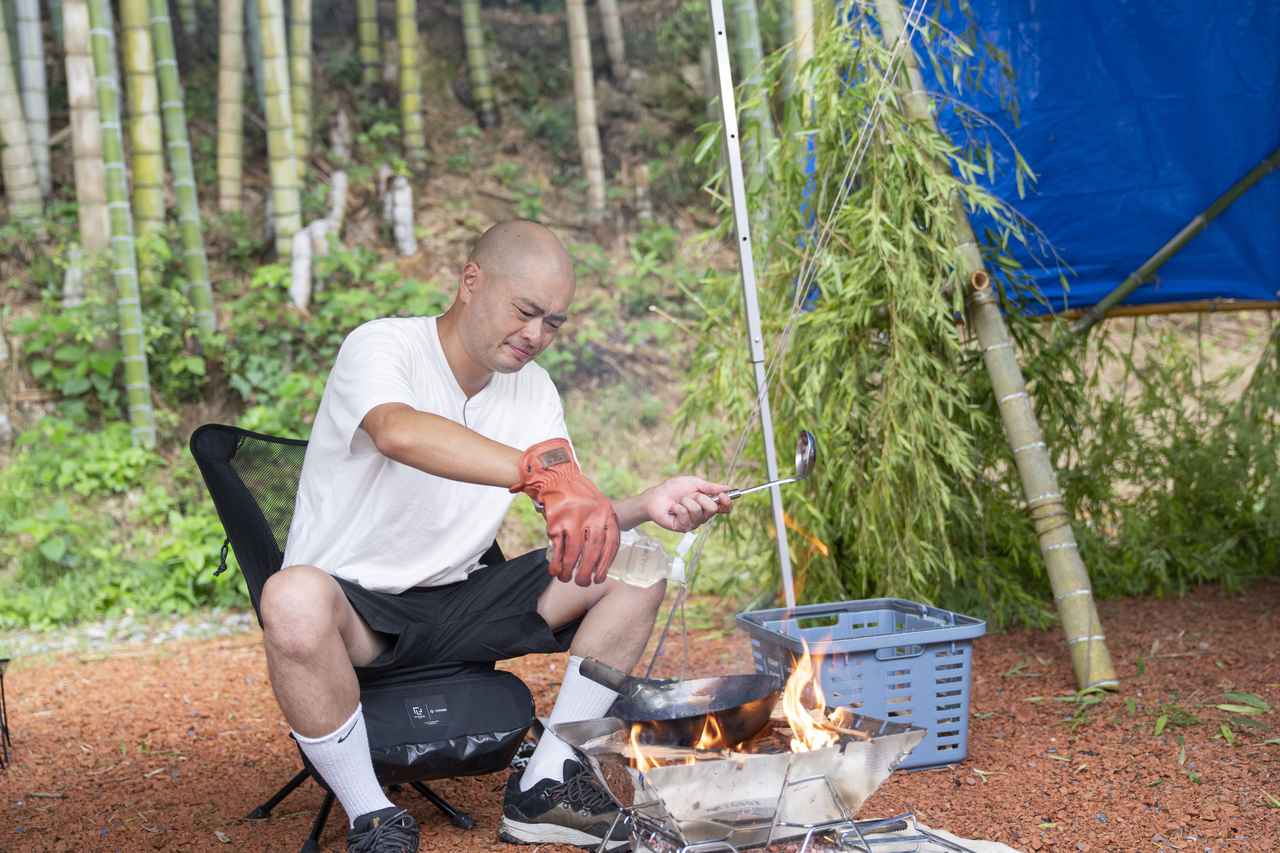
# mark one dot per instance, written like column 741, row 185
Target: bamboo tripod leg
column 1067, row 573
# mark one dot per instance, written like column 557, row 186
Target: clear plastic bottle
column 642, row 561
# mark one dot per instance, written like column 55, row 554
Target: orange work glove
column 581, row 523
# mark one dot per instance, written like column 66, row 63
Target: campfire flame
column 642, row 761
column 712, row 736
column 807, row 730
column 804, row 704
column 811, row 726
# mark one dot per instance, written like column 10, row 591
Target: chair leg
column 462, row 820
column 263, row 811
column 312, row 844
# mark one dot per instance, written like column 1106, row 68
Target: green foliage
column 918, row 497
column 85, row 530
column 91, row 525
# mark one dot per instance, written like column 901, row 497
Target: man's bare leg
column 619, row 618
column 616, row 622
column 314, row 639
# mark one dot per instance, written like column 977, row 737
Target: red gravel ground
column 168, row 747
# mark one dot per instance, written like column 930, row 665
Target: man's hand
column 581, row 523
column 684, row 503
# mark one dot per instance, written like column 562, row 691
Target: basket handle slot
column 899, row 652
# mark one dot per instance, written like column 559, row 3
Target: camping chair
column 426, row 722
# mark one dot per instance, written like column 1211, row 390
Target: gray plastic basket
column 887, row 657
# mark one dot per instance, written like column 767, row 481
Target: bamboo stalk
column 86, row 130
column 6, row 425
column 415, row 141
column 615, row 45
column 750, row 58
column 584, row 101
column 35, row 91
column 286, row 206
column 1149, row 268
column 178, row 144
column 1202, row 306
column 370, row 43
column 478, row 63
column 300, row 79
column 230, row 105
column 144, row 117
column 253, row 36
column 190, row 20
column 124, row 257
column 802, row 35
column 1067, row 573
column 21, row 183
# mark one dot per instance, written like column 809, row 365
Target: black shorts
column 490, row 616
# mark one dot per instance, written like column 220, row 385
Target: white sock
column 580, row 699
column 342, row 758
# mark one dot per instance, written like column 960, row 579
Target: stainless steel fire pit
column 728, row 801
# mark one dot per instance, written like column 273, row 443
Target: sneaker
column 390, row 830
column 577, row 811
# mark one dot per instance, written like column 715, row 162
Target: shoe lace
column 392, row 834
column 581, row 791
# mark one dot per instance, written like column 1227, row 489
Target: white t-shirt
column 386, row 526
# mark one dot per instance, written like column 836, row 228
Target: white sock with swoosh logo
column 342, row 758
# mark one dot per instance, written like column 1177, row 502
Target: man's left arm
column 680, row 504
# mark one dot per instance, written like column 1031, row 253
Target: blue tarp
column 1136, row 116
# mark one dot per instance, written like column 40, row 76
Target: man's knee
column 297, row 606
column 643, row 601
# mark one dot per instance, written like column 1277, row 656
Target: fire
column 712, row 736
column 807, row 723
column 643, row 764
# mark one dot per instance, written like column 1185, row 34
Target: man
column 426, row 428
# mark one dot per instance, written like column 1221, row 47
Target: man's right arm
column 440, row 446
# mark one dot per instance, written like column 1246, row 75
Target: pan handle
column 602, row 673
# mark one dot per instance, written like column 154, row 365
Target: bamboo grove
column 132, row 147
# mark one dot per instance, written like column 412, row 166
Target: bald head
column 522, row 249
column 513, row 296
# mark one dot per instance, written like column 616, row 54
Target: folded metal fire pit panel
column 741, row 797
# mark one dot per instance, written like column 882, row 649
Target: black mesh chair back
column 253, row 480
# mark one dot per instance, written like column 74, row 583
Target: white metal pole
column 738, row 192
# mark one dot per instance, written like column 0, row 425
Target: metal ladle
column 806, row 456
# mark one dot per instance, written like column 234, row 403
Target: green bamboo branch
column 124, row 268
column 178, row 144
column 1147, row 271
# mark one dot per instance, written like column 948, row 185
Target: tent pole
column 1067, row 573
column 1148, row 270
column 742, row 228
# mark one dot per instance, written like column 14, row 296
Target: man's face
column 511, row 319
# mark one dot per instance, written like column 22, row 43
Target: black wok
column 674, row 713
